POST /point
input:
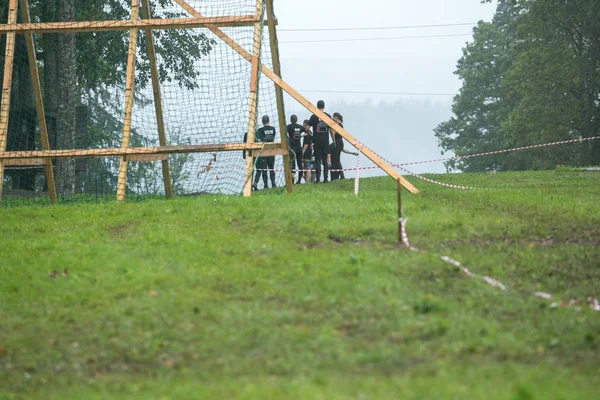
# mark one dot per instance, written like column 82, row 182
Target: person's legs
column 335, row 163
column 271, row 168
column 318, row 159
column 308, row 172
column 299, row 164
column 258, row 166
column 325, row 165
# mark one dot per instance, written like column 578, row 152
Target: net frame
column 264, row 13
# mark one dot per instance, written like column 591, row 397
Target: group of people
column 310, row 149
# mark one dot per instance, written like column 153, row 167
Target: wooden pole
column 129, row 86
column 268, row 148
column 289, row 183
column 399, row 188
column 302, row 100
column 109, row 26
column 253, row 99
column 9, row 59
column 39, row 101
column 160, row 121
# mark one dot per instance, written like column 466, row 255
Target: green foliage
column 272, row 297
column 530, row 76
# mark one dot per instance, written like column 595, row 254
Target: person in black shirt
column 321, row 134
column 307, row 152
column 266, row 134
column 336, row 151
column 294, row 132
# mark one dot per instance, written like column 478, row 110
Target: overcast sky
column 409, row 65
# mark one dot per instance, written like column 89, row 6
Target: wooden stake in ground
column 399, row 189
column 253, row 100
column 129, row 86
column 160, row 121
column 287, row 167
column 9, row 59
column 39, row 101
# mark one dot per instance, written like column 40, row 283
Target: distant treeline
column 532, row 75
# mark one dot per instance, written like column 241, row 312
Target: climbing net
column 193, row 92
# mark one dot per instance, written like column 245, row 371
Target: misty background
column 398, row 126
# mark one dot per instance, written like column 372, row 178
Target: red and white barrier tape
column 489, row 153
column 448, row 185
column 434, row 181
column 592, row 302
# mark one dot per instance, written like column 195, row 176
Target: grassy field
column 307, row 296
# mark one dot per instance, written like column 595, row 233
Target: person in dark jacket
column 321, row 134
column 294, row 133
column 266, row 134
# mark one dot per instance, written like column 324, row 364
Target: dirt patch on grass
column 122, row 231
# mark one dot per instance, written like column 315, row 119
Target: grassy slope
column 306, row 296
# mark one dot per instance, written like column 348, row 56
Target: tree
column 540, row 60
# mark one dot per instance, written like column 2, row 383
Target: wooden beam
column 269, row 153
column 253, row 99
column 25, row 163
column 289, row 183
column 147, row 157
column 39, row 101
column 9, row 59
column 108, row 26
column 129, row 86
column 200, row 148
column 160, row 121
column 288, row 89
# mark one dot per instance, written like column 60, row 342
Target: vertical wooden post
column 289, row 183
column 9, row 59
column 39, row 101
column 129, row 86
column 253, row 100
column 399, row 188
column 162, row 138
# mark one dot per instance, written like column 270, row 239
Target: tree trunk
column 67, row 99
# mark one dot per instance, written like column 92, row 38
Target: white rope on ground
column 592, row 302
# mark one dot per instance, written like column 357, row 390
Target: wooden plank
column 160, row 121
column 147, row 157
column 288, row 89
column 289, row 183
column 39, row 101
column 253, row 98
column 25, row 163
column 9, row 59
column 200, row 148
column 108, row 26
column 129, row 86
column 268, row 153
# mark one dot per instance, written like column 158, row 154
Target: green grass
column 307, row 296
